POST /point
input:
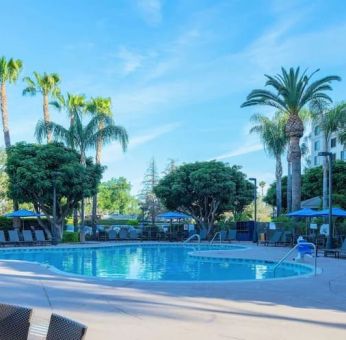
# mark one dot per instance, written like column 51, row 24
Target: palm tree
column 9, row 72
column 328, row 120
column 274, row 139
column 102, row 108
column 262, row 184
column 48, row 86
column 293, row 90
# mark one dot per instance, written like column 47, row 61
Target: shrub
column 70, row 237
column 5, row 223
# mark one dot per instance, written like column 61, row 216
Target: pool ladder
column 192, row 237
column 214, row 237
column 291, row 251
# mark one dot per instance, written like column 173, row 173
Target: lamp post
column 330, row 220
column 255, row 236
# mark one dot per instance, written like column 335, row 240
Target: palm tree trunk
column 325, row 175
column 46, row 117
column 289, row 185
column 94, row 203
column 278, row 175
column 296, row 173
column 4, row 115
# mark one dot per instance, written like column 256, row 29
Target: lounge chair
column 232, row 235
column 123, row 234
column 63, row 328
column 133, row 234
column 336, row 252
column 40, row 238
column 14, row 322
column 2, row 238
column 112, row 235
column 13, row 237
column 275, row 239
column 27, row 237
column 223, row 235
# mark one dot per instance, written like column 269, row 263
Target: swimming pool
column 154, row 262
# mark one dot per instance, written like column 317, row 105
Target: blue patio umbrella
column 307, row 212
column 336, row 212
column 171, row 215
column 22, row 213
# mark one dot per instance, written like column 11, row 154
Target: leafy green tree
column 31, row 169
column 9, row 72
column 115, row 196
column 48, row 86
column 312, row 185
column 328, row 120
column 205, row 190
column 273, row 136
column 150, row 203
column 293, row 90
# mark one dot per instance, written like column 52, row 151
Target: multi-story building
column 334, row 146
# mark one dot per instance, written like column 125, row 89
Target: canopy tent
column 307, row 212
column 336, row 212
column 22, row 213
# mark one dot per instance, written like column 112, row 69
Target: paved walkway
column 302, row 308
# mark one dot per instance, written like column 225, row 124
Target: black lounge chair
column 336, row 252
column 27, row 237
column 40, row 238
column 61, row 328
column 14, row 322
column 123, row 234
column 2, row 238
column 133, row 234
column 112, row 235
column 13, row 237
column 275, row 239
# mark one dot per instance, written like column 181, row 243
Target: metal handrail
column 217, row 233
column 291, row 251
column 192, row 236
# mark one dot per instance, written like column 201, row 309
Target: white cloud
column 131, row 60
column 242, row 150
column 151, row 11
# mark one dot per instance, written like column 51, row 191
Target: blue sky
column 177, row 71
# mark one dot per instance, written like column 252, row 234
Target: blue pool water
column 159, row 262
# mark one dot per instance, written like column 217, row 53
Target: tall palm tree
column 102, row 108
column 262, row 184
column 274, row 139
column 328, row 119
column 9, row 72
column 48, row 86
column 293, row 90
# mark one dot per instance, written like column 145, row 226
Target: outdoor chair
column 14, row 322
column 27, row 237
column 274, row 239
column 40, row 238
column 223, row 235
column 133, row 234
column 286, row 238
column 61, row 328
column 13, row 237
column 232, row 235
column 123, row 234
column 2, row 238
column 112, row 235
column 203, row 234
column 336, row 252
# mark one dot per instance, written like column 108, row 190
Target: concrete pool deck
column 298, row 308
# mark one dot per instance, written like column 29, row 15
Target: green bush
column 5, row 223
column 70, row 237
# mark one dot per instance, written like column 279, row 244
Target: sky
column 177, row 70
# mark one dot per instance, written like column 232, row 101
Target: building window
column 317, row 130
column 317, row 145
column 333, row 143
